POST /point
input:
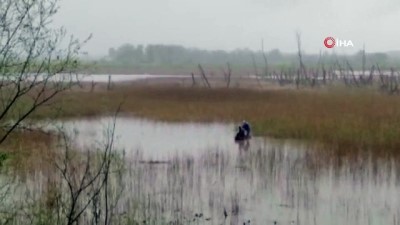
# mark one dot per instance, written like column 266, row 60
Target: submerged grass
column 345, row 118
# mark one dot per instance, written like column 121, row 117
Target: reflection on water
column 208, row 175
column 157, row 140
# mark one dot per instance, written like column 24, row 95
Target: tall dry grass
column 28, row 152
column 345, row 118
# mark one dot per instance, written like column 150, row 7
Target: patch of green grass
column 3, row 158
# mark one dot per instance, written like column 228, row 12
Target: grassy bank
column 355, row 119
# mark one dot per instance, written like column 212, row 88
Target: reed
column 352, row 118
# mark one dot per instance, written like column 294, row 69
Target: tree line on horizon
column 158, row 54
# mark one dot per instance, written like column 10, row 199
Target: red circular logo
column 329, row 42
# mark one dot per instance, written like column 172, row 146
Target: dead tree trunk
column 355, row 81
column 302, row 67
column 109, row 83
column 228, row 75
column 193, row 80
column 371, row 75
column 265, row 59
column 256, row 70
column 203, row 74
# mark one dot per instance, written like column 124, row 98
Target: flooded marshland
column 192, row 173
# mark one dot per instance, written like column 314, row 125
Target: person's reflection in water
column 244, row 145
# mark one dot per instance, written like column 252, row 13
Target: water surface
column 205, row 173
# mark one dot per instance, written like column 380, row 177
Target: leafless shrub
column 31, row 60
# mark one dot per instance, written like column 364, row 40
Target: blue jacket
column 247, row 128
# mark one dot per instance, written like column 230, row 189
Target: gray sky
column 231, row 24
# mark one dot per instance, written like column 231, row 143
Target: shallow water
column 100, row 78
column 204, row 172
column 157, row 140
column 103, row 78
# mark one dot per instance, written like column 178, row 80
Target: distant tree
column 157, row 54
column 275, row 55
column 125, row 54
column 380, row 58
column 112, row 53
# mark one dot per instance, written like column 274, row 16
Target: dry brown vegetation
column 358, row 119
column 29, row 151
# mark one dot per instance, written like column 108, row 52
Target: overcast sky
column 231, row 24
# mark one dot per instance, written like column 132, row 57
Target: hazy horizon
column 233, row 24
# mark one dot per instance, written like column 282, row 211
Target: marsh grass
column 197, row 190
column 351, row 119
column 174, row 193
column 28, row 151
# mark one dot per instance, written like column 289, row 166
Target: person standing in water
column 247, row 129
column 241, row 134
